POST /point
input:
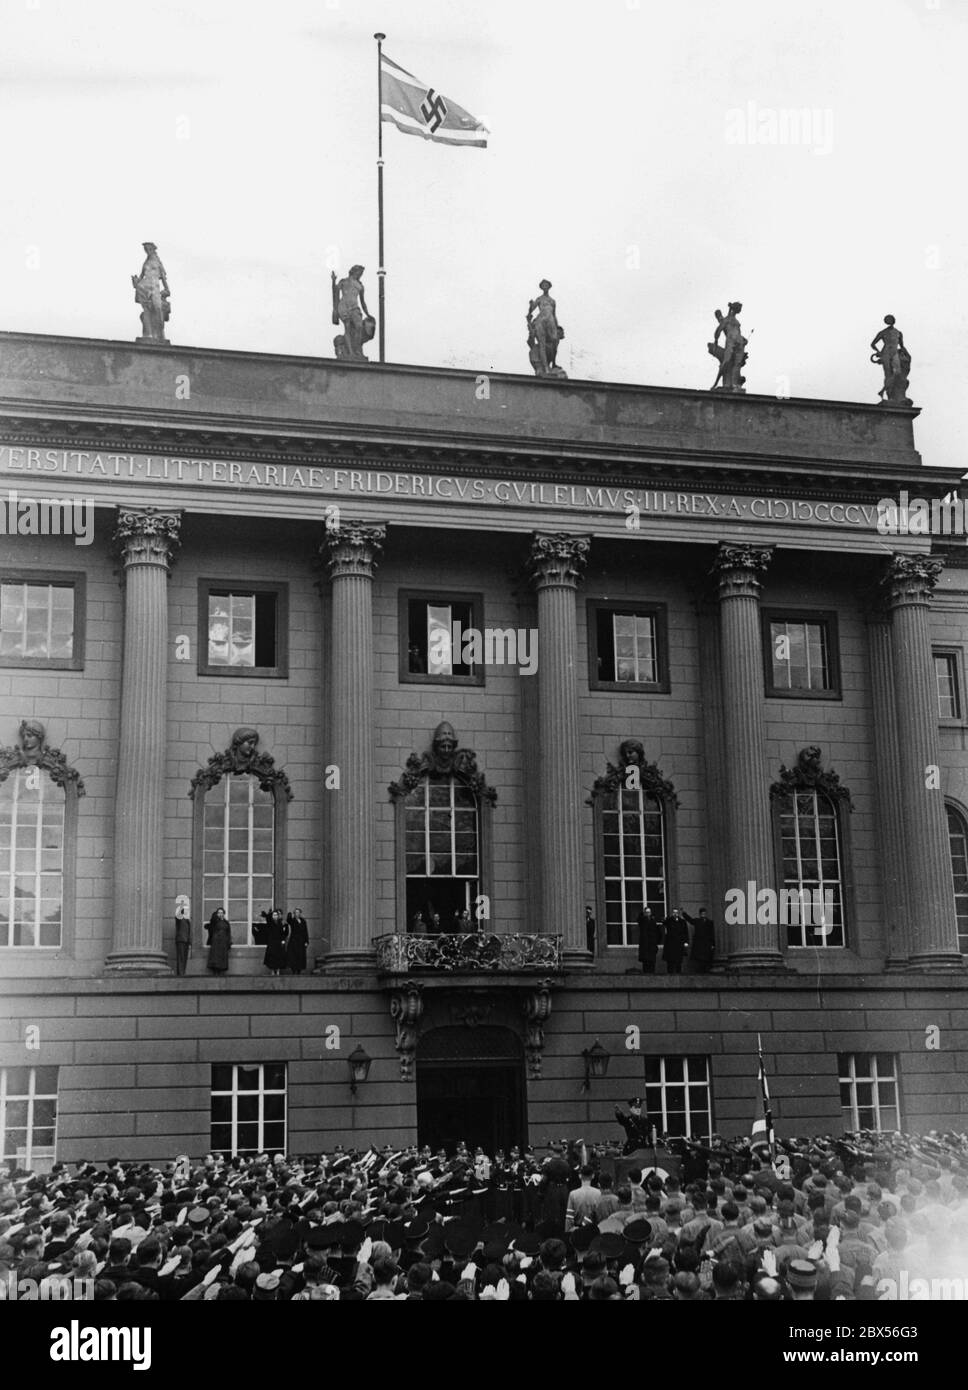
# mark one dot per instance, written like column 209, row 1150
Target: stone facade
column 528, row 504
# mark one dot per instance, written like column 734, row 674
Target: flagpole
column 381, row 271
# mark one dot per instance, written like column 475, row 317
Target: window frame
column 280, row 671
column 953, row 808
column 32, row 1095
column 261, row 1091
column 485, row 850
column 601, row 811
column 68, row 874
column 663, row 1085
column 659, row 612
column 956, row 656
column 825, row 616
column 73, row 579
column 436, row 596
column 871, row 1076
column 279, row 852
column 846, row 901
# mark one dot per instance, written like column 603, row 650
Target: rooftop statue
column 895, row 359
column 544, row 334
column 152, row 293
column 732, row 355
column 349, row 309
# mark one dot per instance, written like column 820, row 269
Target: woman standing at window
column 219, row 942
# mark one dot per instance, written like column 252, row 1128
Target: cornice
column 661, row 467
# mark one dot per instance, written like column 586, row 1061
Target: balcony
column 473, row 953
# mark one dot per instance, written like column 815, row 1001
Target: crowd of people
column 818, row 1219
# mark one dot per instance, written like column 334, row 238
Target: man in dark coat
column 675, row 930
column 637, row 1126
column 703, row 943
column 298, row 941
column 650, row 939
column 183, row 938
column 274, row 934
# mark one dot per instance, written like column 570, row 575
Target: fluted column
column 907, row 586
column 146, row 540
column 557, row 562
column 749, row 837
column 889, row 820
column 351, row 553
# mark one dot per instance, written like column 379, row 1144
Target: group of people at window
column 286, row 941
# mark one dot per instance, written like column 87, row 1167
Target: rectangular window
column 429, row 624
column 678, row 1096
column 948, row 684
column 238, row 853
column 28, row 1117
column 41, row 621
column 627, row 647
column 242, row 629
column 800, row 655
column 248, row 1108
column 869, row 1090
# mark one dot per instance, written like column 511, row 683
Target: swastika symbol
column 433, row 110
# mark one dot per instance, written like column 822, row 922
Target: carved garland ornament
column 809, row 775
column 631, row 755
column 241, row 757
column 406, row 1011
column 443, row 759
column 32, row 750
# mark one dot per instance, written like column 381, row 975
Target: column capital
column 352, row 548
column 910, row 579
column 557, row 559
column 147, row 536
column 737, row 569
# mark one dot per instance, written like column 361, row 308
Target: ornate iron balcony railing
column 477, row 952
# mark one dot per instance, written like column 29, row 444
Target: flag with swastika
column 417, row 109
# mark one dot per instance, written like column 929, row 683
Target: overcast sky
column 631, row 162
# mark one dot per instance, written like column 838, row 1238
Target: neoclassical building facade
column 470, row 670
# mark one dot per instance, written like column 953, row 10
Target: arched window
column 958, row 849
column 634, row 862
column 808, row 802
column 812, row 905
column 39, row 793
column 239, row 848
column 633, row 805
column 443, row 850
column 31, row 859
column 443, row 803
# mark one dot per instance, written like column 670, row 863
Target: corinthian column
column 749, row 838
column 907, row 586
column 146, row 540
column 889, row 815
column 351, row 553
column 557, row 562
